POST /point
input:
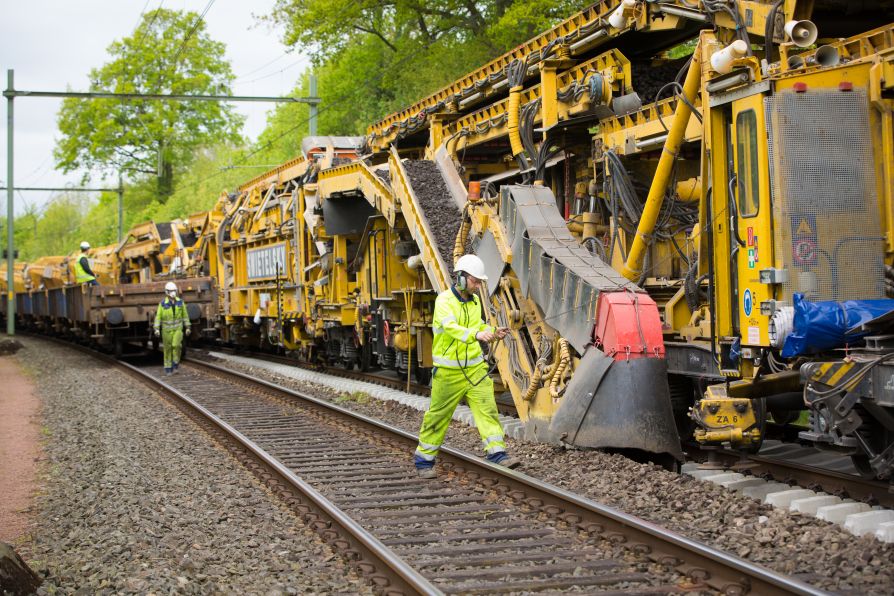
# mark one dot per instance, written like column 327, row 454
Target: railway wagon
column 113, row 316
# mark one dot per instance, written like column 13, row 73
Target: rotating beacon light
column 619, row 18
column 722, row 61
column 801, row 33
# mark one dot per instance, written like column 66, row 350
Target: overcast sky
column 53, row 44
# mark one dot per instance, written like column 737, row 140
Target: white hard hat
column 85, row 245
column 472, row 265
column 170, row 287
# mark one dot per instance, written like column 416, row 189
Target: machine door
column 752, row 217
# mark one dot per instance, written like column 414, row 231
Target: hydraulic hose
column 632, row 269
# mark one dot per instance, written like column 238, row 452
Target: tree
column 169, row 52
column 377, row 56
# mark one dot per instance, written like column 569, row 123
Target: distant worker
column 461, row 371
column 171, row 322
column 83, row 273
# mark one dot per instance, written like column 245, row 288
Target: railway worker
column 83, row 273
column 171, row 322
column 461, row 371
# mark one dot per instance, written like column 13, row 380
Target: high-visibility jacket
column 456, row 322
column 81, row 275
column 171, row 314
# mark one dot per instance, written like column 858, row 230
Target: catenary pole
column 10, row 189
column 120, row 208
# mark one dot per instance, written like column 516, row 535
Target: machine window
column 747, row 172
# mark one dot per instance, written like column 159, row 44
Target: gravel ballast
column 137, row 499
column 437, row 206
column 815, row 551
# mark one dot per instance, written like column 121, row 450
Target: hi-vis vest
column 81, row 276
column 455, row 325
column 171, row 315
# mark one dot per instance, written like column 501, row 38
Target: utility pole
column 120, row 208
column 10, row 189
column 312, row 121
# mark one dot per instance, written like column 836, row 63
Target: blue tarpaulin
column 822, row 326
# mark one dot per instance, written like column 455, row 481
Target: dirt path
column 19, row 448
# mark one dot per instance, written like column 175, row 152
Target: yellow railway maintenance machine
column 797, row 235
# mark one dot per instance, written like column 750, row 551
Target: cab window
column 746, row 170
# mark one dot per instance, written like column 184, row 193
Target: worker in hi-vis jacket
column 460, row 370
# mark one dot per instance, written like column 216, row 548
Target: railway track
column 785, row 462
column 477, row 529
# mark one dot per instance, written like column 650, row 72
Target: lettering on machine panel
column 263, row 263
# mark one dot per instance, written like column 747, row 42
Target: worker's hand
column 157, row 333
column 502, row 332
column 188, row 331
column 486, row 336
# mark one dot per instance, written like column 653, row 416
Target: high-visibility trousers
column 172, row 342
column 448, row 387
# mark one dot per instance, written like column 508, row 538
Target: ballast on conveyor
column 431, row 214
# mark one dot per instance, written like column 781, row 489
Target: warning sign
column 804, row 251
column 804, row 228
column 804, row 239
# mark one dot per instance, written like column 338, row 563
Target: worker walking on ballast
column 171, row 322
column 460, row 370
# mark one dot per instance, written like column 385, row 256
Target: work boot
column 168, row 371
column 426, row 473
column 510, row 462
column 503, row 459
column 176, row 366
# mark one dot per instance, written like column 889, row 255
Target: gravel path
column 127, row 509
column 812, row 550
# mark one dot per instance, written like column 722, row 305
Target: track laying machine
column 685, row 210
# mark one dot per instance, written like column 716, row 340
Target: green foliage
column 372, row 58
column 56, row 231
column 376, row 57
column 169, row 52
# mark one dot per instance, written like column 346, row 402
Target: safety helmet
column 170, row 287
column 471, row 265
column 85, row 245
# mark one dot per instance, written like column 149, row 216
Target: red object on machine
column 628, row 326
